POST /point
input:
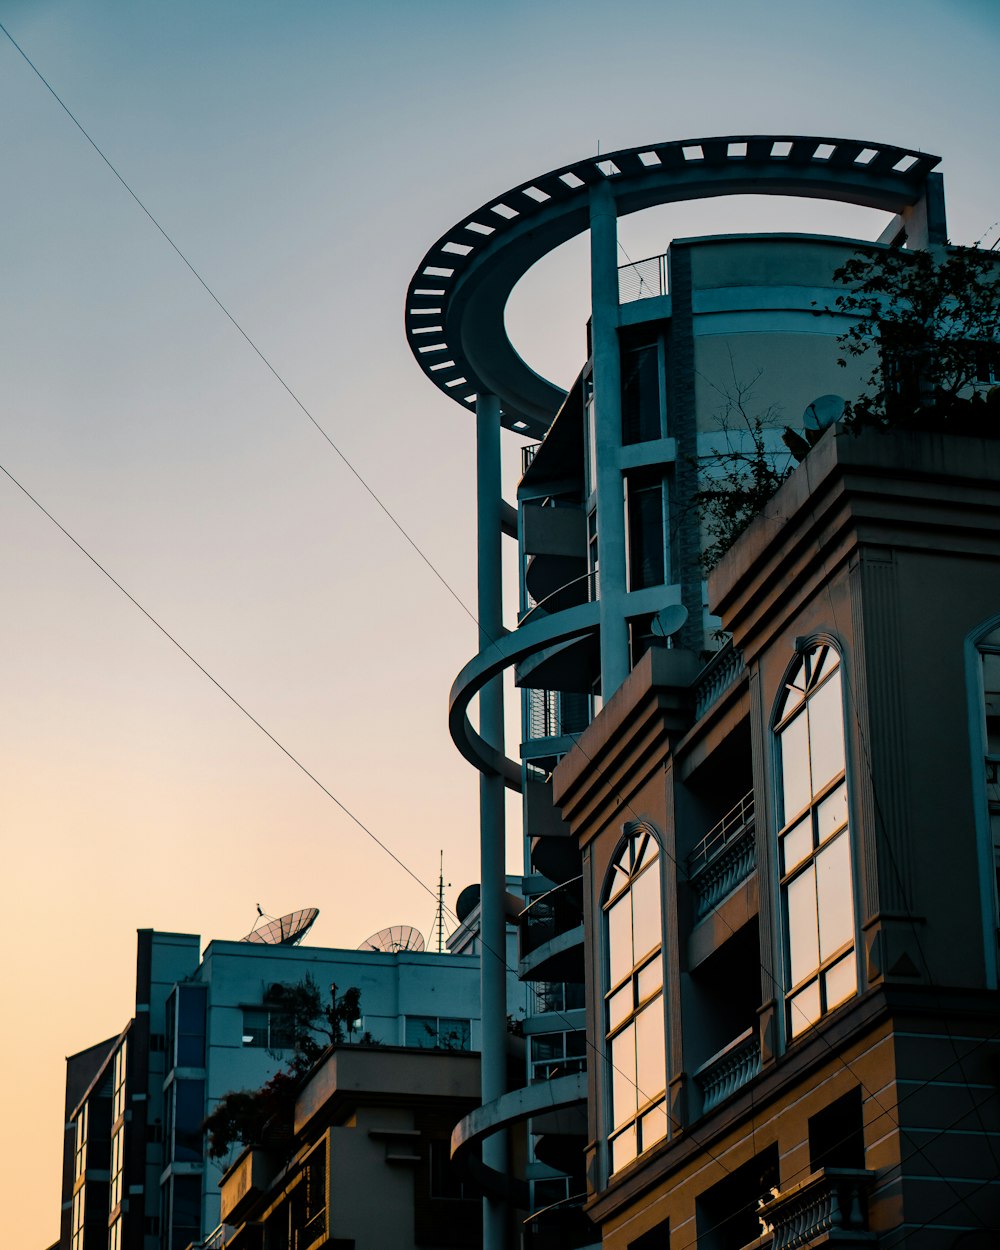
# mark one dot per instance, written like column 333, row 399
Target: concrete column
column 493, row 967
column 608, row 437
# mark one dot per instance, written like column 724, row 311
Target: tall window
column 644, row 511
column 989, row 658
column 815, row 847
column 634, row 1000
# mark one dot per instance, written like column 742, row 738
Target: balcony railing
column 546, row 917
column 527, row 455
column 729, row 1070
column 555, row 714
column 831, row 1201
column 583, row 589
column 724, row 858
column 722, row 671
column 642, row 279
column 561, row 1226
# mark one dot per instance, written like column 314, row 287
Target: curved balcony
column 455, row 301
column 561, row 1094
column 529, row 638
column 561, row 1226
column 550, row 935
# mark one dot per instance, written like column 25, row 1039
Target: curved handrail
column 489, row 663
column 544, row 606
column 455, row 302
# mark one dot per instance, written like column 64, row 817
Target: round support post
column 492, row 832
column 607, row 431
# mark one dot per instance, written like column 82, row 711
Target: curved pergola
column 456, row 299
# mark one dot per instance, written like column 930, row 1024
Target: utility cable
column 320, row 429
column 348, row 464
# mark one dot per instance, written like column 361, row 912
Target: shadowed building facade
column 672, row 973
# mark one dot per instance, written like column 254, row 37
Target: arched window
column 633, row 1003
column 814, row 841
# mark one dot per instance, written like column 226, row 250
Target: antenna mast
column 438, row 925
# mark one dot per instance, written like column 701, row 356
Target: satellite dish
column 398, row 937
column 467, row 900
column 669, row 620
column 285, row 931
column 823, row 412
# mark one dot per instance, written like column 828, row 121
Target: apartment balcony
column 561, row 1226
column 729, row 1070
column 829, row 1208
column 642, row 279
column 722, row 671
column 724, row 858
column 550, row 935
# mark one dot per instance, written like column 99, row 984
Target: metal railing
column 720, row 835
column 583, row 589
column 215, row 1240
column 556, row 714
column 724, row 858
column 546, row 917
column 830, row 1201
column 642, row 279
column 527, row 455
column 729, row 1070
column 562, row 1225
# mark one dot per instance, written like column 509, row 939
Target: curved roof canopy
column 456, row 299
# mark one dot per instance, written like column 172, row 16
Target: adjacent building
column 760, row 921
column 136, row 1175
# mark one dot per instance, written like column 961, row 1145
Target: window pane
column 826, row 727
column 804, row 1009
column 623, row 1148
column 620, row 939
column 802, row 931
column 421, row 1031
column 619, row 1005
column 649, row 979
column 991, row 690
column 653, row 1126
column 623, row 1081
column 831, row 814
column 841, row 981
column 833, row 888
column 645, row 536
column 454, row 1034
column 651, row 1059
column 797, row 844
column 795, row 765
column 647, row 921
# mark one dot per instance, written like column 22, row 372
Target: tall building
column 136, row 1173
column 734, row 793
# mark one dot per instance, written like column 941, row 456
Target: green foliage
column 311, row 1026
column 924, row 318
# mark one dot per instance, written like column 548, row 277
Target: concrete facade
column 685, row 354
column 202, row 1028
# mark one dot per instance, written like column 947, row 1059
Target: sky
column 303, row 156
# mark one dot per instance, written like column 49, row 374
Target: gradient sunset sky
column 304, row 156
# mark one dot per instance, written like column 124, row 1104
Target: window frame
column 633, row 845
column 813, row 651
column 982, row 762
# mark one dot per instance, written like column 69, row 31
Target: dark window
column 445, row 1180
column 837, row 1135
column 185, row 1224
column 727, row 1213
column 657, row 1238
column 640, row 395
column 645, row 535
column 191, row 1026
column 189, row 1111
